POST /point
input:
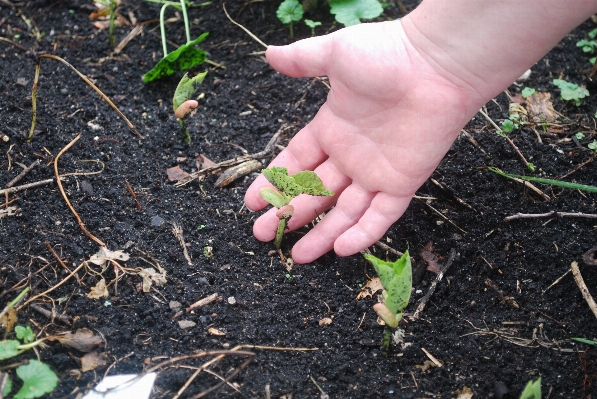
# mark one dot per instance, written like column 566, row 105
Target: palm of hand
column 386, row 124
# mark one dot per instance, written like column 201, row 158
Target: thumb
column 306, row 58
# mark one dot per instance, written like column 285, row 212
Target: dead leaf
column 104, row 255
column 176, row 173
column 150, row 276
column 370, row 288
column 9, row 319
column 427, row 364
column 206, row 162
column 82, row 340
column 93, row 360
column 99, row 291
column 465, row 393
column 431, row 259
column 326, row 321
column 216, row 332
column 540, row 108
column 10, row 211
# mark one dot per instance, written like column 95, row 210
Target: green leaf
column 507, row 126
column 585, row 341
column 312, row 24
column 306, row 182
column 592, row 33
column 588, row 46
column 25, row 334
column 571, row 91
column 527, row 91
column 38, row 379
column 593, row 145
column 396, row 278
column 350, row 12
column 273, row 197
column 532, row 390
column 184, row 57
column 7, row 387
column 289, row 11
column 186, row 88
column 559, row 183
column 9, row 348
column 579, row 136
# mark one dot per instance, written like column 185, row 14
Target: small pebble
column 157, row 221
column 232, row 300
column 184, row 324
column 175, row 305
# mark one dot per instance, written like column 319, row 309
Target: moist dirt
column 491, row 343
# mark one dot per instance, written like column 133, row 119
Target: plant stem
column 387, row 338
column 112, row 17
column 19, row 297
column 280, row 233
column 163, row 29
column 187, row 27
column 291, row 30
column 31, row 344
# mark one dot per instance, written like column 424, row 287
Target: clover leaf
column 571, row 91
column 527, row 91
column 38, row 379
column 350, row 12
column 25, row 334
column 290, row 11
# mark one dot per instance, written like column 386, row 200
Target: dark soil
column 484, row 342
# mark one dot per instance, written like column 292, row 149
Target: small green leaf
column 592, row 33
column 312, row 24
column 25, row 334
column 289, row 11
column 532, row 390
column 593, row 145
column 579, row 136
column 559, row 183
column 531, row 166
column 38, row 379
column 571, row 91
column 305, row 182
column 7, row 387
column 507, row 126
column 585, row 341
column 396, row 278
column 527, row 91
column 185, row 57
column 186, row 88
column 9, row 348
column 350, row 12
column 588, row 46
column 273, row 197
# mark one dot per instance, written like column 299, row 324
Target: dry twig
column 440, row 276
column 550, row 214
column 508, row 299
column 26, row 186
column 22, row 174
column 177, row 230
column 583, row 287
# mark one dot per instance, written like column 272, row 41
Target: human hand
column 389, row 118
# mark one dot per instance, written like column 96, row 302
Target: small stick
column 22, row 174
column 508, row 299
column 51, row 315
column 79, row 220
column 443, row 216
column 550, row 214
column 557, row 281
column 388, row 248
column 432, row 358
column 443, row 270
column 203, row 302
column 472, row 140
column 577, row 168
column 583, row 287
column 26, row 186
column 60, row 260
column 13, row 43
column 449, row 191
column 133, row 194
column 243, row 28
column 177, row 230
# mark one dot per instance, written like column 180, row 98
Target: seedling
column 290, row 11
column 585, row 341
column 186, row 56
column 532, row 390
column 588, row 46
column 312, row 24
column 579, row 136
column 289, row 187
column 182, row 102
column 396, row 279
column 593, row 146
column 350, row 12
column 527, row 91
column 111, row 10
column 558, row 183
column 571, row 91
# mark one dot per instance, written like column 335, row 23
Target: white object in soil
column 137, row 389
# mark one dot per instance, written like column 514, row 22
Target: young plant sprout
column 289, row 187
column 110, row 7
column 351, row 12
column 532, row 390
column 312, row 24
column 396, row 279
column 186, row 56
column 182, row 102
column 571, row 91
column 290, row 11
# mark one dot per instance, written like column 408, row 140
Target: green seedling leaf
column 289, row 11
column 559, row 183
column 588, row 46
column 38, row 379
column 571, row 91
column 25, row 334
column 579, row 136
column 350, row 12
column 312, row 24
column 508, row 126
column 7, row 387
column 272, row 197
column 183, row 93
column 9, row 348
column 527, row 91
column 305, row 182
column 592, row 33
column 396, row 278
column 593, row 145
column 532, row 390
column 184, row 57
column 585, row 341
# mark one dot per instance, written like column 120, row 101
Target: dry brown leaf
column 9, row 319
column 82, row 340
column 370, row 288
column 540, row 108
column 150, row 276
column 216, row 332
column 431, row 259
column 326, row 321
column 93, row 360
column 465, row 393
column 176, row 173
column 99, row 291
column 206, row 162
column 104, row 255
